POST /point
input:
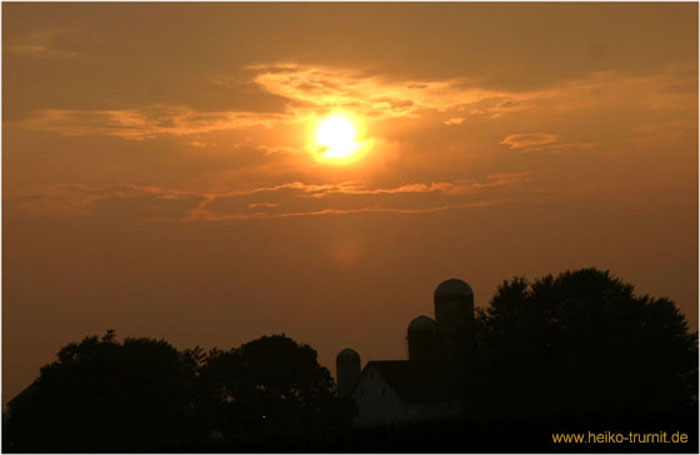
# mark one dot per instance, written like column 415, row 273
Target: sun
column 337, row 134
column 337, row 139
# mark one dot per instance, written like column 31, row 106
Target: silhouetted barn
column 391, row 391
column 424, row 387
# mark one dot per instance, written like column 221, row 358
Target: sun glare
column 337, row 139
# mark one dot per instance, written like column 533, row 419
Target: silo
column 347, row 365
column 454, row 317
column 421, row 340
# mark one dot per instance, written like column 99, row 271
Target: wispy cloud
column 313, row 88
column 309, row 91
column 454, row 121
column 149, row 202
column 544, row 142
column 54, row 43
column 528, row 140
column 300, row 199
column 145, row 203
column 145, row 123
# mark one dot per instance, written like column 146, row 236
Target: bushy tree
column 583, row 342
column 271, row 383
column 143, row 394
column 101, row 394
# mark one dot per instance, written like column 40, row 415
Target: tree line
column 580, row 347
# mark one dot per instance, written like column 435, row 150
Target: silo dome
column 348, row 354
column 453, row 288
column 421, row 324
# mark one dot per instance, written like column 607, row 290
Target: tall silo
column 454, row 317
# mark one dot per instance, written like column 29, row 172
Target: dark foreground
column 600, row 433
column 545, row 360
column 512, row 435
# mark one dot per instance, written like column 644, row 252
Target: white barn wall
column 376, row 401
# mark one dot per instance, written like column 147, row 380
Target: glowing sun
column 336, row 139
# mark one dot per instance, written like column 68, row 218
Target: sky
column 162, row 177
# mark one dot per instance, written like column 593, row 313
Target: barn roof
column 411, row 382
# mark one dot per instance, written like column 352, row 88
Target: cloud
column 308, row 90
column 146, row 203
column 55, row 43
column 540, row 142
column 145, row 123
column 528, row 141
column 199, row 144
column 150, row 204
column 313, row 88
column 302, row 199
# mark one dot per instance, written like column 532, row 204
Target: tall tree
column 583, row 342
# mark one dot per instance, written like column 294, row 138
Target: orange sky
column 157, row 178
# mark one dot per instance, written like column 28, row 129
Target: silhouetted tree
column 582, row 342
column 578, row 344
column 143, row 394
column 270, row 384
column 105, row 395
